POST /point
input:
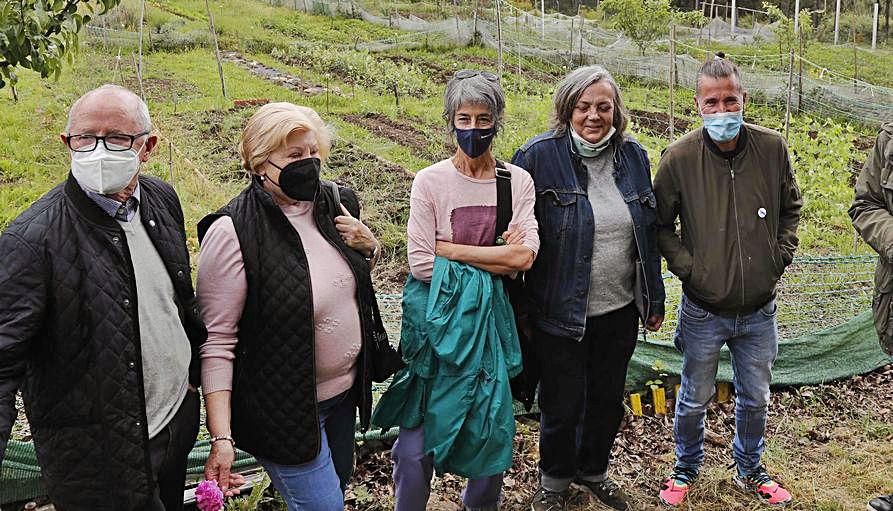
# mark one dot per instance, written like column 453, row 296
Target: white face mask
column 103, row 171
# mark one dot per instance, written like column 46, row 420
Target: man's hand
column 218, row 466
column 654, row 322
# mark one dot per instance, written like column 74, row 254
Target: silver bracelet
column 228, row 438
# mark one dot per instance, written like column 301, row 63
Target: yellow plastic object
column 635, row 402
column 723, row 392
column 659, row 398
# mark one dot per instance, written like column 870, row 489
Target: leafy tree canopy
column 40, row 34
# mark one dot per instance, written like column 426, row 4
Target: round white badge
column 761, row 212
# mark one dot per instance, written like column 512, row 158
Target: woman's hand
column 654, row 322
column 513, row 237
column 355, row 233
column 218, row 467
column 448, row 250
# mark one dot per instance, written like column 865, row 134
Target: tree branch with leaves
column 42, row 34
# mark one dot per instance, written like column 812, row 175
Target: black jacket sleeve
column 23, row 293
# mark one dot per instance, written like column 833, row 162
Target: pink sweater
column 447, row 205
column 221, row 290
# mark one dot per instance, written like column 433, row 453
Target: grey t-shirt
column 613, row 274
column 165, row 348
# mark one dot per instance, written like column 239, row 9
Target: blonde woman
column 285, row 289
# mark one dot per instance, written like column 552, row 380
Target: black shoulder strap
column 503, row 200
column 336, row 194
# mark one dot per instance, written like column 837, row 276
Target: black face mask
column 299, row 179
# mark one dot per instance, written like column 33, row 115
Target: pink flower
column 208, row 496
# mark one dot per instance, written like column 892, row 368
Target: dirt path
column 286, row 80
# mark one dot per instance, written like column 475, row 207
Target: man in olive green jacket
column 732, row 188
column 872, row 214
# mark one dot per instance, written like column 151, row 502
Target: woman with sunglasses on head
column 285, row 289
column 597, row 275
column 453, row 402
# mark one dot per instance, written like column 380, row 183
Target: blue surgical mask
column 475, row 141
column 723, row 126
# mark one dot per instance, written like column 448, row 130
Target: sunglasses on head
column 469, row 73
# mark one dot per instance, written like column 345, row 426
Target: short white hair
column 141, row 109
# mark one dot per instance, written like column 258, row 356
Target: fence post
column 855, row 62
column 787, row 109
column 874, row 28
column 543, row 12
column 499, row 36
column 800, row 74
column 672, row 77
column 836, row 21
column 570, row 37
column 140, row 64
column 734, row 16
column 216, row 47
column 518, row 49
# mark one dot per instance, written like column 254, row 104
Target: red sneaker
column 673, row 490
column 761, row 484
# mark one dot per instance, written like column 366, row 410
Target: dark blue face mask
column 475, row 142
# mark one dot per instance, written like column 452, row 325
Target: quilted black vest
column 274, row 413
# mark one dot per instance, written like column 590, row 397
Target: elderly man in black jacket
column 98, row 322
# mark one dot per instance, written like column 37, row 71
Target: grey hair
column 141, row 110
column 717, row 68
column 474, row 90
column 568, row 93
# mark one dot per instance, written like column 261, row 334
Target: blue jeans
column 412, row 477
column 753, row 342
column 319, row 484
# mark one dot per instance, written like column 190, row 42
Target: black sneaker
column 606, row 491
column 882, row 503
column 546, row 500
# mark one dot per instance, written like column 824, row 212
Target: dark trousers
column 581, row 396
column 168, row 452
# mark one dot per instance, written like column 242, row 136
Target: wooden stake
column 216, row 47
column 635, row 403
column 723, row 392
column 672, row 78
column 659, row 398
column 139, row 76
column 787, row 109
column 140, row 68
column 499, row 36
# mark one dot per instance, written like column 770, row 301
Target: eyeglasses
column 115, row 142
column 468, row 73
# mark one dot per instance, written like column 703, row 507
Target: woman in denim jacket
column 597, row 275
